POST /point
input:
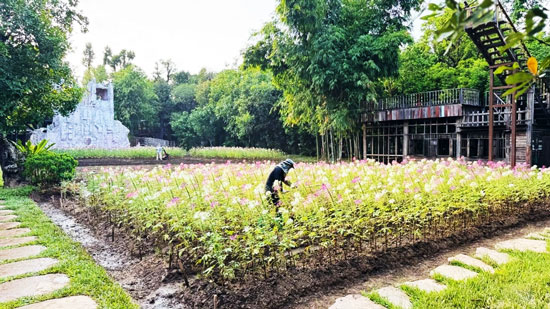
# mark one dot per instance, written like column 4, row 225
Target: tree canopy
column 327, row 55
column 34, row 79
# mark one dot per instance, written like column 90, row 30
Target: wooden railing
column 501, row 118
column 464, row 96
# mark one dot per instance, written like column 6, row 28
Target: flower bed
column 215, row 218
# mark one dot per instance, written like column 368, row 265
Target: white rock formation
column 91, row 125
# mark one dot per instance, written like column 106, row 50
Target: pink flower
column 213, row 204
column 132, row 194
column 173, row 202
column 233, row 237
column 357, row 202
column 355, row 180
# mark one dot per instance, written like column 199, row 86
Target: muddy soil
column 149, row 282
column 145, row 279
column 152, row 161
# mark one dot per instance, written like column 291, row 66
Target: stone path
column 14, row 246
column 535, row 242
column 64, row 303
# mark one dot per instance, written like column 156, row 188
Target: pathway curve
column 535, row 242
column 19, row 266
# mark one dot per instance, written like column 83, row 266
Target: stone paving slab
column 26, row 266
column 5, row 212
column 7, row 218
column 14, row 232
column 522, row 244
column 427, row 285
column 470, row 261
column 453, row 272
column 395, row 296
column 20, row 252
column 14, row 241
column 9, row 225
column 497, row 257
column 354, row 301
column 72, row 302
column 32, row 286
column 536, row 236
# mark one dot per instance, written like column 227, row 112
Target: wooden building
column 454, row 123
column 464, row 122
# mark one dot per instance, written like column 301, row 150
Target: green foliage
column 127, row 153
column 118, row 61
column 136, row 101
column 49, row 168
column 238, row 153
column 183, row 96
column 1, row 178
column 326, row 56
column 34, row 79
column 535, row 22
column 28, row 149
column 98, row 73
column 427, row 65
column 88, row 56
column 235, row 108
column 200, row 126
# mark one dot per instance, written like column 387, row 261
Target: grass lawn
column 125, row 153
column 524, row 282
column 87, row 278
column 230, row 153
column 238, row 153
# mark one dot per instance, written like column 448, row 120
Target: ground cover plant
column 237, row 153
column 214, row 219
column 87, row 278
column 521, row 283
column 125, row 153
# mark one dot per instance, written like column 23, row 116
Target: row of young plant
column 216, row 219
column 123, row 153
column 176, row 152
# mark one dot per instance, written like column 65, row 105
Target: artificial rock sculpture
column 91, row 125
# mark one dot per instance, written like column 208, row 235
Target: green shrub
column 1, row 179
column 49, row 168
column 28, row 149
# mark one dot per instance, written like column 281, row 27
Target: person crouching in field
column 278, row 174
column 159, row 153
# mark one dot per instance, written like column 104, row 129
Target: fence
column 464, row 96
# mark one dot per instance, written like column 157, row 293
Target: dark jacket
column 276, row 174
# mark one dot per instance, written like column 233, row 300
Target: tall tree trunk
column 350, row 153
column 323, row 147
column 317, row 145
column 340, row 146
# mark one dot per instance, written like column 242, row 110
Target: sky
column 194, row 34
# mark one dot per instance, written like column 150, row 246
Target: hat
column 286, row 165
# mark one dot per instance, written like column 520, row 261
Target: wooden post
column 458, row 139
column 491, row 116
column 529, row 117
column 405, row 139
column 364, row 142
column 513, row 137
